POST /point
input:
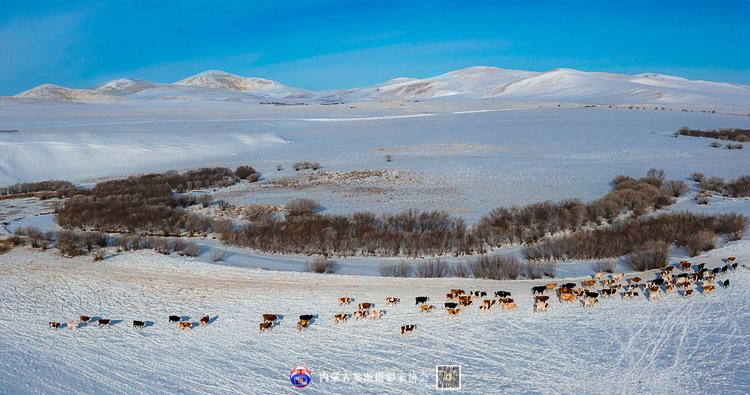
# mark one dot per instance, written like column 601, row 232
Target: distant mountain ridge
column 479, row 82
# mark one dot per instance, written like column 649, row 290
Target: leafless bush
column 37, row 238
column 676, row 188
column 160, row 245
column 99, row 255
column 739, row 187
column 606, row 266
column 534, row 271
column 205, row 200
column 462, row 270
column 188, row 249
column 301, row 206
column 657, row 174
column 715, row 144
column 702, row 198
column 653, row 255
column 401, row 269
column 51, row 188
column 306, row 165
column 701, row 241
column 431, row 269
column 496, row 267
column 5, row 246
column 321, row 265
column 217, row 255
column 697, row 177
column 68, row 243
column 712, row 184
column 247, row 173
column 722, row 134
column 734, row 146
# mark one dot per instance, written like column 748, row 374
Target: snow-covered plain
column 674, row 345
column 465, row 142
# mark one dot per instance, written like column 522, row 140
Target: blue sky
column 338, row 44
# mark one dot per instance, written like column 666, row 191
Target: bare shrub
column 99, row 255
column 739, row 187
column 6, row 246
column 696, row 243
column 606, row 266
column 17, row 240
column 721, row 134
column 217, row 255
column 301, row 206
column 496, row 267
column 401, row 269
column 549, row 269
column 244, row 172
column 676, row 188
column 462, row 270
column 68, row 243
column 703, row 198
column 712, row 184
column 653, row 255
column 160, row 245
column 190, row 249
column 697, row 177
column 321, row 265
column 533, row 270
column 734, row 146
column 715, row 144
column 657, row 174
column 205, row 200
column 431, row 269
column 37, row 238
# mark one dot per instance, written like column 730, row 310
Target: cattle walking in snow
column 84, row 318
column 421, row 299
column 407, row 329
column 138, row 324
column 451, row 305
column 185, row 325
column 541, row 289
column 104, row 321
column 360, row 314
column 502, row 294
column 426, row 308
column 341, row 317
column 376, row 314
column 306, row 317
column 540, row 306
column 392, row 301
column 344, row 300
column 54, row 325
column 302, row 324
column 267, row 317
column 263, row 326
column 366, row 306
column 725, row 284
column 204, row 320
column 453, row 311
column 174, row 318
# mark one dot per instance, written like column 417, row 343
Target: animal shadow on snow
column 114, row 322
column 213, row 319
column 185, row 318
column 148, row 323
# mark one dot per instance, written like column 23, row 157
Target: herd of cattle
column 681, row 278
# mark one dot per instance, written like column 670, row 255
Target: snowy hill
column 59, row 93
column 472, row 83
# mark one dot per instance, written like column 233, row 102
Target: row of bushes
column 741, row 135
column 43, row 189
column 695, row 233
column 492, row 267
column 739, row 187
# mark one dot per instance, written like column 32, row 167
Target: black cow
column 716, row 270
column 657, row 281
column 174, row 318
column 306, row 317
column 682, row 275
column 451, row 305
column 701, row 266
column 592, row 294
column 138, row 324
column 725, row 284
column 568, row 285
column 104, row 321
column 502, row 294
column 734, row 266
column 422, row 299
column 538, row 290
column 724, row 268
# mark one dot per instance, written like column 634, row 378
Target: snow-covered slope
column 58, row 93
column 215, row 79
column 472, row 83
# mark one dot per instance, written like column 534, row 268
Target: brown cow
column 486, row 306
column 341, row 317
column 635, row 280
column 366, row 305
column 344, row 300
column 392, row 301
column 450, row 296
column 685, row 265
column 707, row 288
column 302, row 324
column 541, row 298
column 568, row 297
column 609, row 292
column 588, row 283
column 464, row 300
column 687, row 293
column 72, row 325
column 426, row 308
column 506, row 300
column 631, row 293
column 376, row 314
column 618, row 277
column 508, row 306
column 270, row 317
column 669, row 288
column 264, row 326
column 454, row 311
column 731, row 259
column 54, row 325
column 457, row 292
column 204, row 320
column 488, row 302
column 406, row 329
column 84, row 318
column 185, row 325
